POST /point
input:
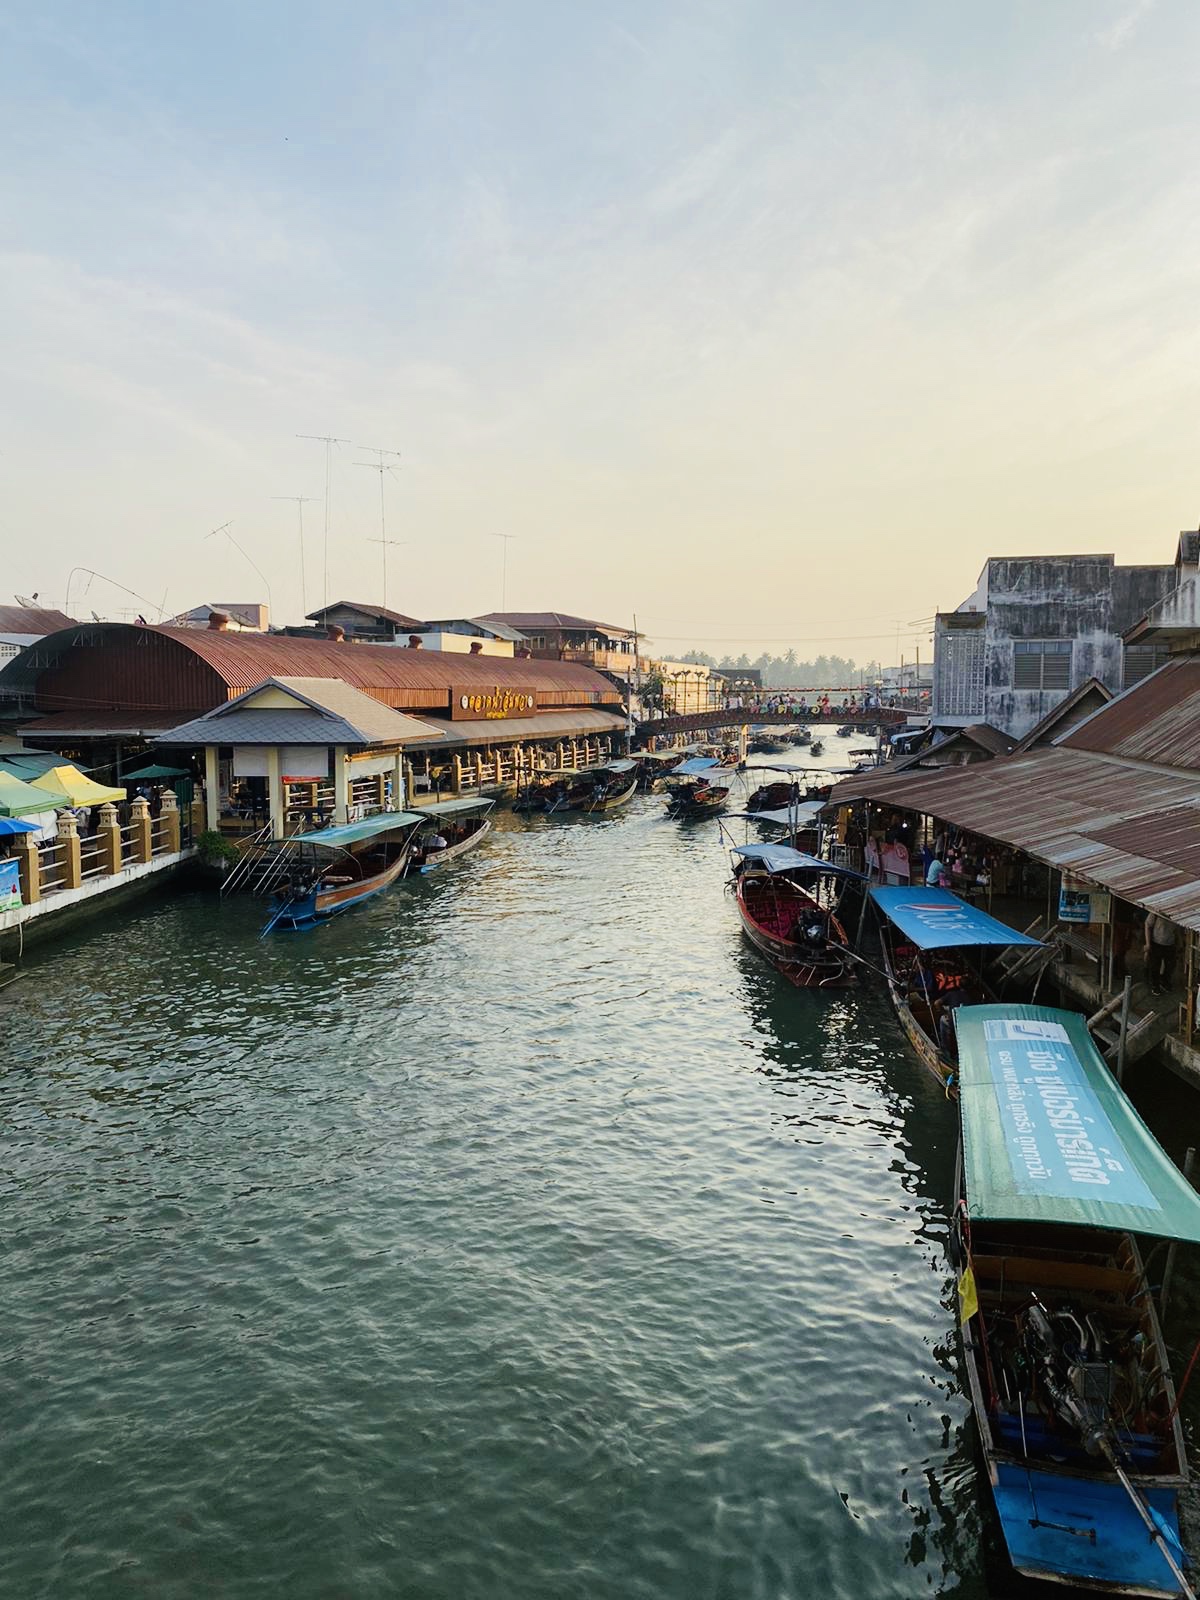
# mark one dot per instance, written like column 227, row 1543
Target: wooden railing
column 72, row 860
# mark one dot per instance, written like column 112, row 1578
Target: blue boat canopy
column 685, row 769
column 355, row 832
column 1049, row 1135
column 622, row 765
column 782, row 858
column 935, row 919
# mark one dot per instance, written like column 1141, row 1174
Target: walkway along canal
column 521, row 1234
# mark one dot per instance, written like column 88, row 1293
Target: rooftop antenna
column 508, row 539
column 300, row 501
column 381, row 466
column 224, row 528
column 328, row 440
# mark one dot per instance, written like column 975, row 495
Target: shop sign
column 1077, row 904
column 491, row 705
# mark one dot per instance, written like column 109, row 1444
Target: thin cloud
column 1118, row 35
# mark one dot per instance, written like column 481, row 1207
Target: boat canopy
column 1050, row 1136
column 355, row 832
column 782, row 858
column 658, row 755
column 935, row 919
column 622, row 765
column 687, row 769
column 785, row 816
column 451, row 808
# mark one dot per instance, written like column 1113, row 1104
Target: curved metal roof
column 402, row 678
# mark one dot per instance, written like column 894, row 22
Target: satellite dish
column 24, row 600
column 95, row 616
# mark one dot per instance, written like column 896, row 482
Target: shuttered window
column 1042, row 664
column 1140, row 661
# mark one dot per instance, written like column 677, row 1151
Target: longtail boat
column 654, row 766
column 691, row 791
column 926, row 937
column 456, row 827
column 787, row 904
column 1065, row 1361
column 547, row 791
column 605, row 788
column 328, row 870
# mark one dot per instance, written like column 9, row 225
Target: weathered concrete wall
column 1087, row 600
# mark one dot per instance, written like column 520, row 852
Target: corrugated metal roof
column 1067, row 713
column 244, row 659
column 526, row 620
column 32, row 619
column 1086, row 813
column 550, row 725
column 91, row 724
column 1157, row 720
column 375, row 612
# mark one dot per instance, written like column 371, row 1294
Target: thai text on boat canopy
column 1050, row 1136
column 935, row 919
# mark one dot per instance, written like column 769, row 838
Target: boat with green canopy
column 326, row 871
column 452, row 827
column 1064, row 1355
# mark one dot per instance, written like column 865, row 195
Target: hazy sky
column 767, row 320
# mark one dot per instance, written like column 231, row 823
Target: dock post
column 30, row 867
column 1125, row 992
column 72, row 859
column 1164, row 1294
column 140, row 837
column 109, row 835
column 170, row 821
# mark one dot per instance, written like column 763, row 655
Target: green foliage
column 213, row 848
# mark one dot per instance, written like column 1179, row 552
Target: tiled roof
column 398, row 617
column 531, row 621
column 328, row 711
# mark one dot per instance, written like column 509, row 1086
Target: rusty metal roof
column 1067, row 714
column 377, row 612
column 32, row 619
column 1157, row 720
column 1131, row 829
column 531, row 621
column 244, row 659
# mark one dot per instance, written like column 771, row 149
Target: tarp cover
column 354, row 832
column 18, row 798
column 450, row 808
column 696, row 764
column 1049, row 1135
column 935, row 919
column 9, row 826
column 785, row 816
column 782, row 858
column 67, row 786
column 623, row 765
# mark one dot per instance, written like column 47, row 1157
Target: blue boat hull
column 1077, row 1530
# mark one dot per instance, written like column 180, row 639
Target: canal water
column 522, row 1234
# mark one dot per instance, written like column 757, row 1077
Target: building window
column 1042, row 664
column 1140, row 661
column 958, row 674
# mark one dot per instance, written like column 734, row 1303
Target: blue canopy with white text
column 935, row 919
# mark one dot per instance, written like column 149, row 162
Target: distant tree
column 699, row 658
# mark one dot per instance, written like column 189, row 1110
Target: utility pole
column 508, row 539
column 299, row 501
column 224, row 528
column 381, row 467
column 328, row 440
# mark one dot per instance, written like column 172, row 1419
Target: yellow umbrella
column 70, row 787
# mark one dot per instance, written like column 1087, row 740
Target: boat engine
column 1068, row 1357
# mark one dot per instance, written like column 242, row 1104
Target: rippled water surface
column 520, row 1234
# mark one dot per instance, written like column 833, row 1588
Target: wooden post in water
column 1189, row 1162
column 1124, row 1028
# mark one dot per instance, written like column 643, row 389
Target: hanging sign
column 1083, row 905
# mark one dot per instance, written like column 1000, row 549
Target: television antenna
column 508, row 539
column 300, row 501
column 328, row 440
column 224, row 528
column 381, row 466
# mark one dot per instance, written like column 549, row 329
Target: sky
column 765, row 322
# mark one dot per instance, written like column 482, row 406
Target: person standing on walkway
column 1160, row 952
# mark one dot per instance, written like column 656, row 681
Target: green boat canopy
column 451, row 808
column 1050, row 1136
column 355, row 832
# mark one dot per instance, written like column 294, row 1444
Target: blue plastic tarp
column 935, row 919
